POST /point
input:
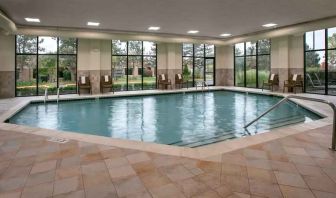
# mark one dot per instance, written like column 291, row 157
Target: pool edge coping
column 211, row 152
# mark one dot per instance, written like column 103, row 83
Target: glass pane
column 332, row 38
column 149, row 48
column 319, row 39
column 315, row 72
column 199, row 70
column 134, row 73
column 309, row 40
column 264, row 46
column 251, row 70
column 67, row 46
column 239, row 71
column 25, row 75
column 239, row 49
column 149, row 74
column 187, row 49
column 187, row 64
column 209, row 71
column 209, row 50
column 67, row 72
column 47, row 45
column 47, row 76
column 251, row 48
column 26, row 44
column 332, row 72
column 134, row 47
column 264, row 66
column 119, row 67
column 199, row 50
column 119, row 47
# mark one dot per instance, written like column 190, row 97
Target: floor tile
column 38, row 191
column 265, row 189
column 101, row 191
column 43, row 166
column 321, row 183
column 167, row 191
column 121, row 172
column 128, row 186
column 290, row 179
column 67, row 185
column 137, row 157
column 293, row 192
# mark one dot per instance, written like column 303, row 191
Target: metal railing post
column 332, row 105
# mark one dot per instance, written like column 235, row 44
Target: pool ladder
column 332, row 105
column 46, row 95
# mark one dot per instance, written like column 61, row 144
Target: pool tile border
column 211, row 152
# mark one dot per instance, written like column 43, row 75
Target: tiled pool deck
column 287, row 162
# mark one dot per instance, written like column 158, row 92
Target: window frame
column 37, row 54
column 127, row 55
column 326, row 50
column 256, row 55
column 204, row 57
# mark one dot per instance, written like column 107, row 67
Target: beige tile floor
column 296, row 166
column 299, row 165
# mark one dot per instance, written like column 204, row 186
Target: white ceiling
column 210, row 17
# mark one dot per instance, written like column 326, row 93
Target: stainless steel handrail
column 45, row 95
column 332, row 105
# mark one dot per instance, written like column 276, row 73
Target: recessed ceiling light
column 153, row 28
column 32, row 20
column 270, row 25
column 93, row 23
column 225, row 35
column 193, row 31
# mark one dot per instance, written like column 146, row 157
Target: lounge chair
column 294, row 82
column 179, row 81
column 106, row 83
column 164, row 81
column 273, row 80
column 84, row 83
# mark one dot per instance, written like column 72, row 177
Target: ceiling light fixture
column 154, row 28
column 32, row 20
column 268, row 25
column 93, row 23
column 225, row 35
column 193, row 31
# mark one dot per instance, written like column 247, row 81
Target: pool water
column 190, row 119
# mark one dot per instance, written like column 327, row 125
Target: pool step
column 204, row 140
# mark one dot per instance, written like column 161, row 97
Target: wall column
column 7, row 66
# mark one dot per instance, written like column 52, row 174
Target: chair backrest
column 163, row 78
column 84, row 80
column 106, row 79
column 273, row 78
column 296, row 78
column 178, row 78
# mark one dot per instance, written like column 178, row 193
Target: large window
column 252, row 63
column 198, row 63
column 320, row 61
column 133, row 65
column 45, row 62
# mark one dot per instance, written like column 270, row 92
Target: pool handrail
column 332, row 105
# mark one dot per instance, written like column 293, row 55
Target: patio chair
column 179, row 82
column 295, row 81
column 164, row 81
column 84, row 83
column 273, row 80
column 106, row 83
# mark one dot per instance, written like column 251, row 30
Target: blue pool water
column 190, row 119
